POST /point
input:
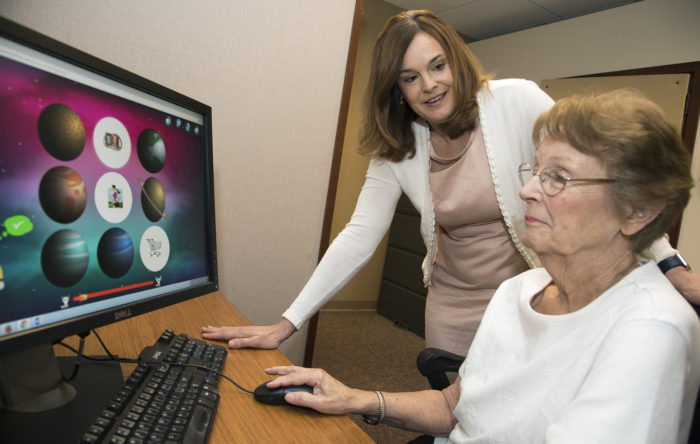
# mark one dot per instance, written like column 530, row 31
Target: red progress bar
column 85, row 296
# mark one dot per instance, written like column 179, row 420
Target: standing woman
column 437, row 129
column 455, row 138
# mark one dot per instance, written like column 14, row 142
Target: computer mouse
column 276, row 395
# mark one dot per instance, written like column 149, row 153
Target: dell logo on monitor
column 122, row 314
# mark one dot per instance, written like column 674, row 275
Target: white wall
column 273, row 73
column 639, row 35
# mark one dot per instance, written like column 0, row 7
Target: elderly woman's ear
column 640, row 218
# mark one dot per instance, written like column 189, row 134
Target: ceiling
column 481, row 19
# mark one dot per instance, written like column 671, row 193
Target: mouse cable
column 203, row 367
column 112, row 357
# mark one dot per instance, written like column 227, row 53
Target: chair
column 434, row 364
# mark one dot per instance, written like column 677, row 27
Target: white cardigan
column 507, row 112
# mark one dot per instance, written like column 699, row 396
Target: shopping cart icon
column 155, row 247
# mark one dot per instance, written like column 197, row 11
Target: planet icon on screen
column 153, row 199
column 62, row 194
column 61, row 131
column 151, row 150
column 64, row 258
column 115, row 252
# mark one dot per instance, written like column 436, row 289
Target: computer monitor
column 106, row 201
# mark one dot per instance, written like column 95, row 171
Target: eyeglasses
column 551, row 181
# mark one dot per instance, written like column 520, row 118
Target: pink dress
column 475, row 252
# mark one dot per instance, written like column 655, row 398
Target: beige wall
column 273, row 73
column 362, row 292
column 638, row 35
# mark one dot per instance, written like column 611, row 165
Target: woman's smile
column 425, row 79
column 435, row 100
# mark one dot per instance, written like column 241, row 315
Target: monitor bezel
column 66, row 53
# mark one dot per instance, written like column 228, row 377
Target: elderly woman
column 597, row 346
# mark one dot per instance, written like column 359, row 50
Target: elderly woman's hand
column 330, row 396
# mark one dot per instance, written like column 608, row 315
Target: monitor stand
column 63, row 411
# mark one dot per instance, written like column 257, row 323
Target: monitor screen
column 106, row 193
column 106, row 205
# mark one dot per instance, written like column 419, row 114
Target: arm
column 428, row 411
column 347, row 254
column 686, row 282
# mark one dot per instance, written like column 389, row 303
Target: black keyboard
column 163, row 402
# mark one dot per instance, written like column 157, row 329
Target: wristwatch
column 671, row 262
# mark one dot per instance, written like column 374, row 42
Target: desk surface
column 239, row 417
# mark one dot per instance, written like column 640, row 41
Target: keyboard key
column 199, row 425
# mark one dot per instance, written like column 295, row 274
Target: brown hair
column 638, row 147
column 386, row 129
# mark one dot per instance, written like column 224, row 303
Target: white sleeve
column 659, row 250
column 354, row 245
column 536, row 102
column 635, row 391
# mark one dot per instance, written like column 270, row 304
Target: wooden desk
column 239, row 417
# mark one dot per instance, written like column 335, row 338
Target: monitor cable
column 111, row 357
column 79, row 353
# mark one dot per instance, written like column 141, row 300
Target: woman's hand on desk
column 330, row 395
column 263, row 336
column 425, row 411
